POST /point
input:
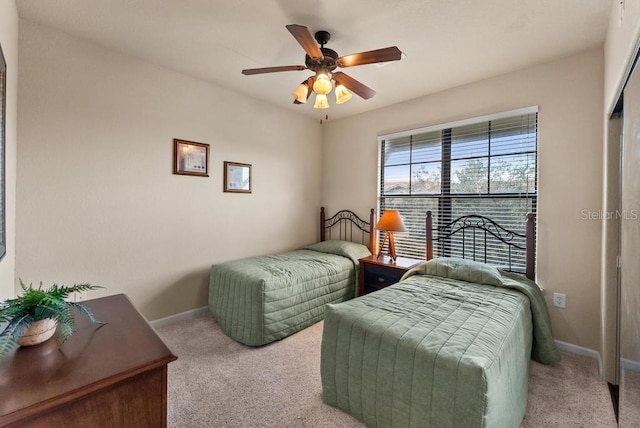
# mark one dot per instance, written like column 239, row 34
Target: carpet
column 217, row 382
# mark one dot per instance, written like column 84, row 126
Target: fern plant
column 37, row 304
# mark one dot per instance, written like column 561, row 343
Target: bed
column 262, row 299
column 447, row 346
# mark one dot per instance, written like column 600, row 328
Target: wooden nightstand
column 377, row 273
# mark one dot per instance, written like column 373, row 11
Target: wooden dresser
column 114, row 375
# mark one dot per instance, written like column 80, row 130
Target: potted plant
column 33, row 317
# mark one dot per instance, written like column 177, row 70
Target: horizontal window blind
column 487, row 168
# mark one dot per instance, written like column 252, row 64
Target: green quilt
column 261, row 299
column 437, row 350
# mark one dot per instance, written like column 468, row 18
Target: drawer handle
column 380, row 279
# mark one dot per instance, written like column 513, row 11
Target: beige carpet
column 630, row 399
column 216, row 382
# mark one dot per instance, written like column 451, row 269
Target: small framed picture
column 190, row 158
column 237, row 177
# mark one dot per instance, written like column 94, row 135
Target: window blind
column 488, row 168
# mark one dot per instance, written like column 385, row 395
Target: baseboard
column 579, row 350
column 631, row 365
column 177, row 317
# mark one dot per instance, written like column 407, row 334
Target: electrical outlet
column 559, row 300
column 80, row 296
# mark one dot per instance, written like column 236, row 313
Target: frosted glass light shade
column 300, row 94
column 342, row 94
column 321, row 101
column 322, row 85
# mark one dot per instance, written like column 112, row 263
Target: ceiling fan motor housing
column 328, row 62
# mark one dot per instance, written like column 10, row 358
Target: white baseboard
column 579, row 350
column 177, row 317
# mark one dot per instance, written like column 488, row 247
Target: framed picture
column 190, row 158
column 237, row 177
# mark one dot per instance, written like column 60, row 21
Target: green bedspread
column 436, row 350
column 261, row 299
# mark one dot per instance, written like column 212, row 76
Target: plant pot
column 37, row 332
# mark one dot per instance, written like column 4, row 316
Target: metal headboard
column 487, row 227
column 347, row 223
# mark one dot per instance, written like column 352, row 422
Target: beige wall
column 97, row 200
column 9, row 42
column 619, row 49
column 569, row 93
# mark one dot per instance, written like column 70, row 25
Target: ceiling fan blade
column 250, row 71
column 353, row 85
column 306, row 40
column 371, row 57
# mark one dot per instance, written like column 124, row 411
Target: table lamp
column 390, row 222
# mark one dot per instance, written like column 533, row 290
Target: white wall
column 569, row 93
column 9, row 42
column 97, row 200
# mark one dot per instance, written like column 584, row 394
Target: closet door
column 629, row 405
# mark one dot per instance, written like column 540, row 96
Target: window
column 485, row 167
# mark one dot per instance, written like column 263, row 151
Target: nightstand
column 378, row 273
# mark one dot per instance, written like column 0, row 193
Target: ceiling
column 446, row 43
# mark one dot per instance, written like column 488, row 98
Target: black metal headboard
column 487, row 227
column 347, row 223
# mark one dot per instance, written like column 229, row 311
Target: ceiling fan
column 323, row 61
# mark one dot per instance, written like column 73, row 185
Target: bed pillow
column 463, row 270
column 352, row 250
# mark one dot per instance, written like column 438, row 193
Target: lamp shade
column 342, row 94
column 322, row 85
column 300, row 94
column 321, row 101
column 391, row 221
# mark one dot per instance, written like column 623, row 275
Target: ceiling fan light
column 321, row 101
column 322, row 85
column 342, row 94
column 300, row 94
